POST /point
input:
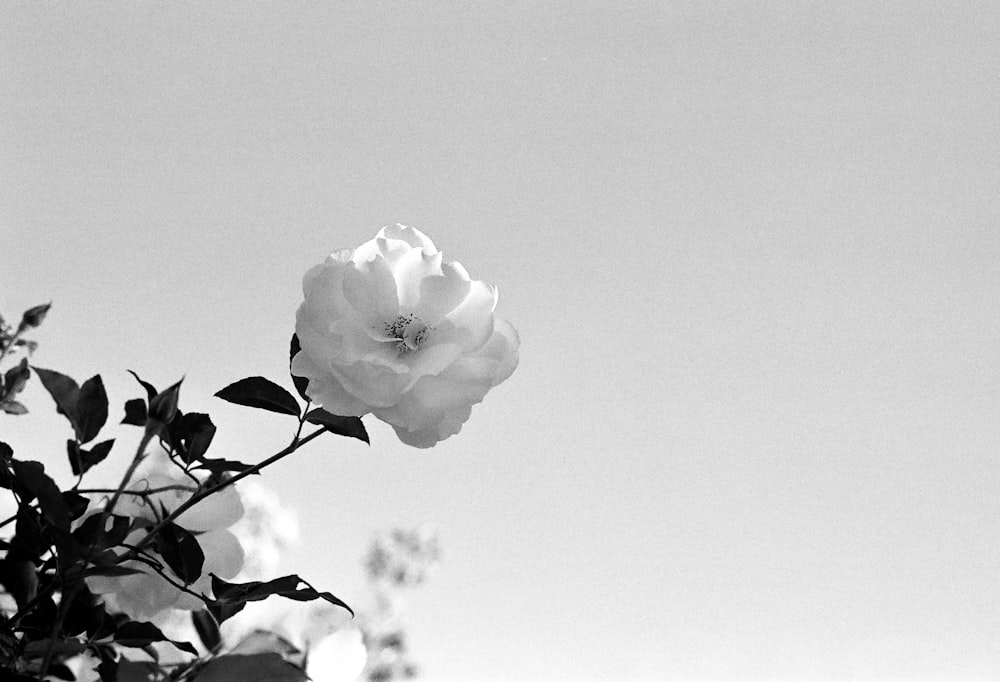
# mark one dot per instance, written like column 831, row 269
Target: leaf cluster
column 60, row 536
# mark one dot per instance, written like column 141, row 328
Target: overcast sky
column 751, row 250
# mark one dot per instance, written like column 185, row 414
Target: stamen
column 409, row 330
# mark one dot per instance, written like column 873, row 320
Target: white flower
column 145, row 594
column 392, row 329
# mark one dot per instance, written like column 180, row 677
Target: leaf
column 261, row 393
column 13, row 407
column 81, row 460
column 113, row 571
column 217, row 466
column 137, row 634
column 196, row 433
column 268, row 667
column 135, row 412
column 33, row 317
column 207, row 629
column 181, row 551
column 150, row 389
column 30, row 477
column 15, row 378
column 76, row 503
column 286, row 586
column 352, row 427
column 301, row 383
column 62, row 389
column 91, row 409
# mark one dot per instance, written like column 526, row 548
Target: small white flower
column 392, row 329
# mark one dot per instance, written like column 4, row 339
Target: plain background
column 751, row 249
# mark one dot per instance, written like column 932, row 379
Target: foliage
column 66, row 540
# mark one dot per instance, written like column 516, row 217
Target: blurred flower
column 392, row 329
column 268, row 528
column 145, row 594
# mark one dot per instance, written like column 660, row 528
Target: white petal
column 325, row 390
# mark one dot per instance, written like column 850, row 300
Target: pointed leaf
column 181, row 551
column 287, row 586
column 352, row 427
column 33, row 316
column 150, row 389
column 91, row 408
column 301, row 383
column 261, row 393
column 62, row 389
column 137, row 634
column 13, row 407
column 207, row 629
column 217, row 466
column 15, row 378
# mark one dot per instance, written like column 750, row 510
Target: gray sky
column 751, row 250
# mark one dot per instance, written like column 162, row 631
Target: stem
column 156, row 566
column 140, row 493
column 198, row 497
column 69, row 595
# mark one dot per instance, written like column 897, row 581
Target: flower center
column 409, row 331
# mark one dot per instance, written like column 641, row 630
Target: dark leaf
column 196, row 433
column 220, row 465
column 13, row 407
column 91, row 409
column 289, row 586
column 89, row 458
column 261, row 393
column 301, row 383
column 163, row 406
column 6, row 476
column 150, row 389
column 86, row 613
column 76, row 503
column 207, row 629
column 135, row 412
column 61, row 647
column 15, row 378
column 138, row 634
column 352, row 427
column 88, row 534
column 28, row 540
column 268, row 667
column 33, row 316
column 62, row 389
column 19, row 578
column 181, row 551
column 112, row 570
column 31, row 478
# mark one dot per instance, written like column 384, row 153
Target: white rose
column 392, row 329
column 144, row 595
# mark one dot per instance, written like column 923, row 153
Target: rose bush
column 394, row 330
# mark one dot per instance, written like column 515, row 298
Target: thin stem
column 158, row 567
column 69, row 595
column 140, row 493
column 198, row 497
